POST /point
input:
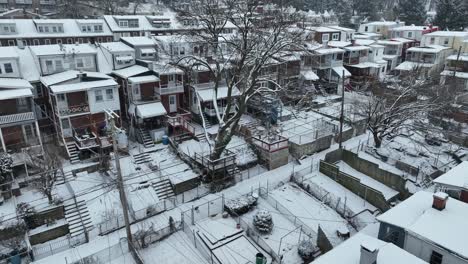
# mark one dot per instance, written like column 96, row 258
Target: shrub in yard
column 306, row 250
column 241, row 205
column 263, row 221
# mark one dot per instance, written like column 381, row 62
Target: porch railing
column 173, row 87
column 74, row 109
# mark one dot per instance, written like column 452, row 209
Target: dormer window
column 8, row 29
column 123, row 23
column 98, row 28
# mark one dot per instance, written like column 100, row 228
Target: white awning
column 206, row 95
column 143, row 79
column 148, row 50
column 409, row 66
column 124, row 58
column 309, row 75
column 339, row 71
column 150, row 110
column 367, row 65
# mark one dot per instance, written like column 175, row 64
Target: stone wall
column 275, row 159
column 407, row 168
column 299, row 150
column 374, row 197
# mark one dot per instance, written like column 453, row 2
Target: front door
column 29, row 133
column 172, row 103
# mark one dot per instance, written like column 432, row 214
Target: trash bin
column 165, row 140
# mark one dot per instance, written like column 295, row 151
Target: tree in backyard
column 412, row 12
column 306, row 250
column 236, row 60
column 49, row 168
column 263, row 221
column 451, row 14
column 6, row 161
column 392, row 109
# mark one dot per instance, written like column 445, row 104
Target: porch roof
column 365, row 65
column 143, row 79
column 409, row 66
column 207, row 95
column 15, row 93
column 148, row 110
column 130, row 71
column 339, row 70
column 309, row 75
column 81, row 86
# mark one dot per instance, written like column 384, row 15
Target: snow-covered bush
column 241, row 205
column 306, row 250
column 263, row 221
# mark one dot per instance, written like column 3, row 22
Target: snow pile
column 263, row 221
column 241, row 205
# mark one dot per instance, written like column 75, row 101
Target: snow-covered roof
column 365, row 42
column 144, row 23
column 130, row 71
column 463, row 57
column 116, row 47
column 14, row 93
column 150, row 110
column 428, row 49
column 365, row 35
column 56, row 49
column 323, row 29
column 206, row 95
column 389, row 42
column 366, row 64
column 339, row 44
column 409, row 66
column 14, row 83
column 410, row 28
column 389, row 57
column 81, row 86
column 166, row 69
column 329, row 51
column 456, row 177
column 309, row 75
column 26, row 28
column 403, row 40
column 447, row 34
column 445, row 228
column 27, row 63
column 143, row 79
column 139, row 41
column 462, row 75
column 356, row 48
column 349, row 252
column 8, row 53
column 383, row 23
column 69, row 75
column 342, row 29
column 339, row 71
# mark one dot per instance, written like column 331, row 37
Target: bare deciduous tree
column 237, row 60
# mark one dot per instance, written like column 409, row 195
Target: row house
column 431, row 226
column 412, row 32
column 19, row 128
column 145, row 47
column 78, row 101
column 454, row 182
column 427, row 60
column 323, row 34
column 51, row 59
column 41, row 6
column 452, row 39
column 117, row 54
column 382, row 28
column 395, row 50
column 33, row 32
column 356, row 61
column 456, row 70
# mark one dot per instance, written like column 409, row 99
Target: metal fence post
column 192, row 216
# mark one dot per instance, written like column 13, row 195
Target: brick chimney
column 369, row 254
column 440, row 200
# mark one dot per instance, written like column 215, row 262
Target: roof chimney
column 369, row 254
column 81, row 75
column 440, row 200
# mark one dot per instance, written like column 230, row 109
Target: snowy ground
column 311, row 211
column 238, row 145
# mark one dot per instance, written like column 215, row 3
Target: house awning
column 339, row 71
column 365, row 65
column 150, row 110
column 206, row 95
column 309, row 75
column 148, row 50
column 409, row 66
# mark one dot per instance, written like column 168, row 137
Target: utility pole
column 342, row 110
column 111, row 116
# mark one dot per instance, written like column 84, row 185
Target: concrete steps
column 78, row 218
column 67, row 177
column 146, row 138
column 163, row 188
column 73, row 152
column 142, row 158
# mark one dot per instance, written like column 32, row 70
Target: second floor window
column 8, row 67
column 436, row 258
column 336, row 36
column 80, row 63
column 98, row 96
column 325, row 37
column 123, row 23
column 110, row 94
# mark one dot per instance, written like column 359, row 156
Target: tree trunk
column 377, row 140
column 222, row 140
column 49, row 197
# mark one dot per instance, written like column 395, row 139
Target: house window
column 325, row 37
column 80, row 63
column 60, row 28
column 8, row 68
column 170, row 78
column 54, row 29
column 83, row 28
column 41, row 29
column 336, row 36
column 123, row 23
column 58, row 65
column 410, row 34
column 49, row 65
column 36, row 42
column 47, row 41
column 11, row 42
column 80, row 40
column 99, row 40
column 65, row 123
column 446, row 41
column 98, row 96
column 110, row 94
column 431, row 40
column 59, row 41
column 98, row 28
column 366, row 29
column 436, row 258
column 61, row 97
